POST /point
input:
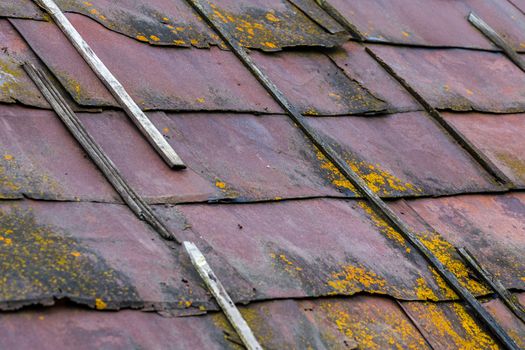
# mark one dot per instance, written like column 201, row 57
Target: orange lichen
column 271, row 17
column 334, row 175
column 154, row 37
column 377, row 179
column 220, row 184
column 445, row 253
column 383, row 226
column 354, row 278
column 100, row 304
column 179, row 42
column 288, row 265
column 423, row 291
column 201, row 100
column 8, row 157
column 472, row 336
column 396, row 331
column 141, row 37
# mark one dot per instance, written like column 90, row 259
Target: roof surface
column 416, row 101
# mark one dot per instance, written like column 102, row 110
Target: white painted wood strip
column 216, row 288
column 147, row 128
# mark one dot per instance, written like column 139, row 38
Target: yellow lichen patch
column 185, row 304
column 154, row 37
column 88, row 4
column 469, row 92
column 445, row 253
column 38, row 261
column 179, row 42
column 269, row 45
column 383, row 226
column 513, row 162
column 396, row 331
column 100, row 304
column 377, row 179
column 286, row 263
column 405, row 34
column 76, row 254
column 13, row 178
column 220, row 184
column 141, row 37
column 201, row 100
column 334, row 175
column 352, row 279
column 271, row 17
column 459, row 328
column 423, row 292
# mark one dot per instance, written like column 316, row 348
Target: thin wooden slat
column 140, row 119
column 497, row 39
column 494, row 283
column 73, row 124
column 379, row 205
column 217, row 289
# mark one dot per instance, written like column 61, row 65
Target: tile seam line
column 359, row 183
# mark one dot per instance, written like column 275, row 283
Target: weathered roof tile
column 404, row 154
column 499, row 137
column 39, row 159
column 459, row 80
column 315, row 85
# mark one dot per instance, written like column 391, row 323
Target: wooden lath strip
column 497, row 40
column 379, row 205
column 150, row 132
column 106, row 166
column 221, row 296
column 495, row 284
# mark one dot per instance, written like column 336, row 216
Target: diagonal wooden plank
column 140, row 119
column 496, row 39
column 495, row 284
column 217, row 289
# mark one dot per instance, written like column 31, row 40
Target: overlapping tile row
column 266, row 25
column 198, row 79
column 236, row 157
column 364, row 322
column 433, row 23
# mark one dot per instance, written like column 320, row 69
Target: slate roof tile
column 499, row 138
column 39, row 159
column 404, row 154
column 266, row 25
